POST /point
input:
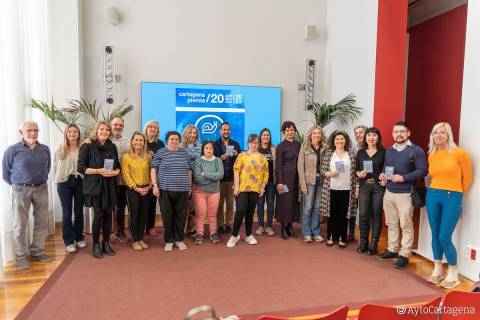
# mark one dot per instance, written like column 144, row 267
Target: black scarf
column 109, row 186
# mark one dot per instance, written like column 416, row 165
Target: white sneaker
column 260, row 231
column 168, row 246
column 71, row 248
column 318, row 238
column 307, row 239
column 181, row 245
column 82, row 244
column 232, row 241
column 251, row 239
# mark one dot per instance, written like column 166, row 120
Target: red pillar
column 390, row 65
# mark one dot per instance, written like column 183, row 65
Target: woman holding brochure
column 287, row 208
column 339, row 187
column 98, row 161
column 370, row 161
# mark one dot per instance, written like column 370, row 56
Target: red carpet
column 276, row 277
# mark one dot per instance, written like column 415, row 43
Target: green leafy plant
column 299, row 137
column 55, row 114
column 91, row 112
column 343, row 112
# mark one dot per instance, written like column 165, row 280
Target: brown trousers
column 225, row 217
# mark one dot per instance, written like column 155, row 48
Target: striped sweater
column 173, row 169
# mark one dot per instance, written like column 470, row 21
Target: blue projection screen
column 248, row 109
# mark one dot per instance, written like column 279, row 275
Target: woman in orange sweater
column 450, row 168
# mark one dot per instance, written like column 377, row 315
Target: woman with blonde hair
column 309, row 174
column 98, row 162
column 69, row 188
column 450, row 169
column 192, row 145
column 136, row 174
column 152, row 133
column 191, row 142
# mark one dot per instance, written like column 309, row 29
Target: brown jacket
column 307, row 166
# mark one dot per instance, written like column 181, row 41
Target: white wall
column 351, row 39
column 220, row 42
column 63, row 68
column 469, row 132
column 466, row 232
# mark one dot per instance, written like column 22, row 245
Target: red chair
column 339, row 314
column 468, row 303
column 375, row 311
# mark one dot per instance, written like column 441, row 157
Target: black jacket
column 219, row 148
column 92, row 155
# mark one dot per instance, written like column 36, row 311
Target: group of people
column 334, row 176
column 337, row 176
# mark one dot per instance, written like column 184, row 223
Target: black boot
column 97, row 253
column 290, row 231
column 284, row 233
column 363, row 246
column 373, row 247
column 107, row 249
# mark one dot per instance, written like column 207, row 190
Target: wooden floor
column 18, row 286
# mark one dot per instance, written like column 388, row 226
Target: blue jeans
column 71, row 194
column 270, row 192
column 311, row 210
column 444, row 209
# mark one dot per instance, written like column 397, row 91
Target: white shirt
column 66, row 167
column 342, row 181
column 400, row 148
column 122, row 145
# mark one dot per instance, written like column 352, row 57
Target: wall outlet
column 472, row 254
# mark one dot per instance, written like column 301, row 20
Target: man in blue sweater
column 221, row 150
column 25, row 168
column 397, row 203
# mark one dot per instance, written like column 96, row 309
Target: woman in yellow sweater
column 136, row 174
column 450, row 168
column 250, row 175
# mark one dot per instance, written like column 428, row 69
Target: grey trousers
column 23, row 197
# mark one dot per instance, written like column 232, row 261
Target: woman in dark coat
column 287, row 209
column 151, row 132
column 98, row 161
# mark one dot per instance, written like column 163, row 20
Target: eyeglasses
column 254, row 142
column 399, row 131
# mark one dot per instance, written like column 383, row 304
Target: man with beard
column 122, row 145
column 399, row 177
column 221, row 147
column 359, row 132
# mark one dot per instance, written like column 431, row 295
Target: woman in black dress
column 151, row 132
column 287, row 209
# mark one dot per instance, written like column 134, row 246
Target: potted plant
column 91, row 112
column 343, row 112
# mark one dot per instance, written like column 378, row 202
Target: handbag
column 418, row 191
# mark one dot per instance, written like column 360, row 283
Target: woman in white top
column 69, row 188
column 339, row 187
